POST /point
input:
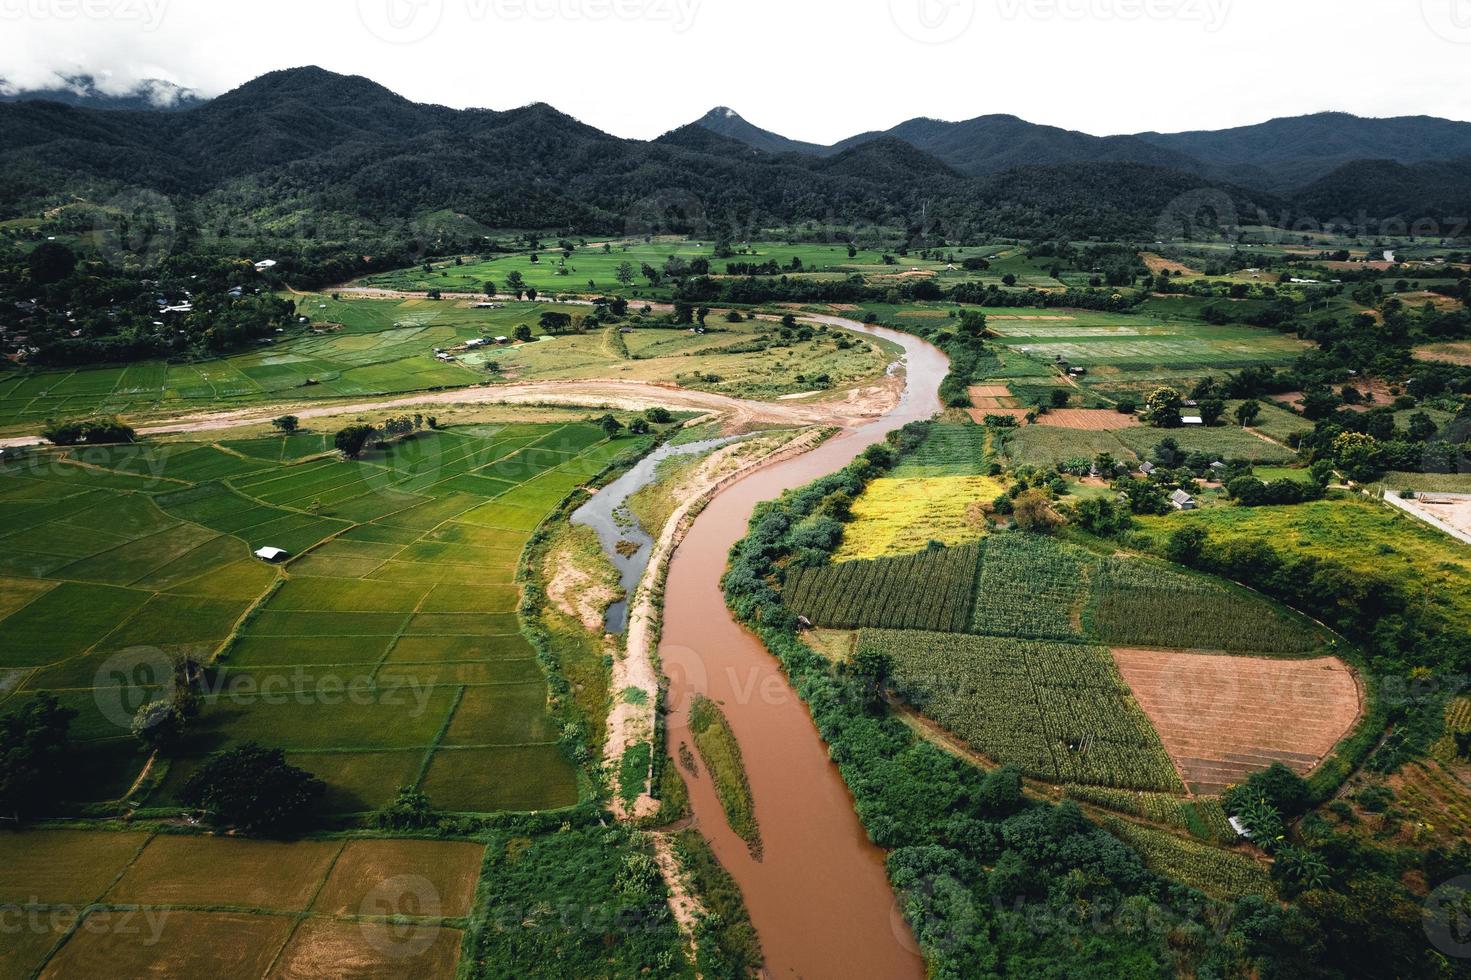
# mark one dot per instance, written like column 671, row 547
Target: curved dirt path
column 856, row 406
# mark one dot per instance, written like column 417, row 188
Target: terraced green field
column 386, row 652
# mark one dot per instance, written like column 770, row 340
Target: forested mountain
column 727, row 123
column 1293, row 152
column 1278, row 156
column 306, row 149
column 1392, row 190
column 988, row 144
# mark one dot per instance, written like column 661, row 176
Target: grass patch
column 721, row 754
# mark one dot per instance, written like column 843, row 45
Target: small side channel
column 607, row 513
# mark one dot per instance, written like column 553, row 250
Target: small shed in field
column 1182, row 500
column 271, row 554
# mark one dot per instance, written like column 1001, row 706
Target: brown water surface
column 819, row 899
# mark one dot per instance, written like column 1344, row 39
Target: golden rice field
column 900, row 515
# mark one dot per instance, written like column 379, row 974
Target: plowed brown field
column 1222, row 718
column 1091, row 419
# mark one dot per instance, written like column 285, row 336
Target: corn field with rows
column 1224, row 874
column 1057, row 711
column 930, row 590
column 1031, row 586
column 1136, row 602
column 1203, row 818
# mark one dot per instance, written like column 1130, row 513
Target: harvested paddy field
column 1222, row 717
column 221, row 907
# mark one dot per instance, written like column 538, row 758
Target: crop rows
column 1212, row 870
column 948, row 450
column 1204, row 818
column 931, row 590
column 1057, row 711
column 1031, row 587
column 1143, row 603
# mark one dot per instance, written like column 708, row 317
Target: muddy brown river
column 819, row 899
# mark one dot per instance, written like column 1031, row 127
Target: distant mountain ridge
column 305, row 146
column 1278, row 155
column 84, row 91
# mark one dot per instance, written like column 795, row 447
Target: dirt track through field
column 1222, row 718
column 856, row 406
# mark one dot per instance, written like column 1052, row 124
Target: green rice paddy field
column 386, row 652
column 591, row 269
column 368, row 347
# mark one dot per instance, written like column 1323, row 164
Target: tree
column 100, row 431
column 1247, row 412
column 33, row 745
column 531, row 293
column 1211, row 410
column 351, row 440
column 522, row 333
column 516, row 283
column 639, row 427
column 658, row 416
column 610, row 426
column 1186, row 545
column 1358, row 455
column 410, row 810
column 286, row 423
column 50, row 262
column 554, row 323
column 1162, row 408
column 489, row 287
column 254, row 789
column 1059, row 397
column 626, row 274
column 1033, row 511
column 158, row 723
column 1422, row 427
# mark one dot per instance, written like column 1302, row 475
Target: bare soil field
column 1451, row 509
column 1454, row 352
column 1089, row 419
column 1223, row 717
column 1157, row 263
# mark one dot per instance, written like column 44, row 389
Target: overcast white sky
column 817, row 70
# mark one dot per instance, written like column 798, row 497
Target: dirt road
column 740, row 414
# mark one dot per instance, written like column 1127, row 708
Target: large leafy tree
column 254, row 789
column 33, row 747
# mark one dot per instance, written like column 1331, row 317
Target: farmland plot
column 1057, row 711
column 930, row 590
column 172, row 905
column 387, row 654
